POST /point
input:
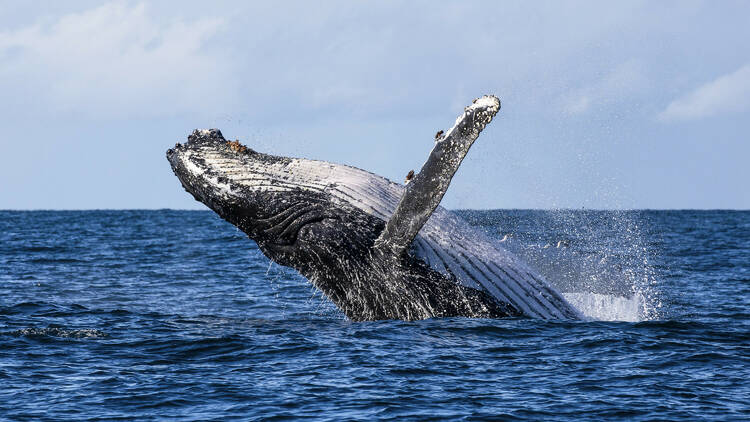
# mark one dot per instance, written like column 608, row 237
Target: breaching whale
column 375, row 248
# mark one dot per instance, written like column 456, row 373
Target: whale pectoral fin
column 424, row 192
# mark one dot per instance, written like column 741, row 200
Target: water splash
column 608, row 307
column 600, row 260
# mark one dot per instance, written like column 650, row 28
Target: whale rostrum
column 375, row 248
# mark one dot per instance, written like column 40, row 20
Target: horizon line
column 450, row 209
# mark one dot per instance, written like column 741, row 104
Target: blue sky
column 604, row 104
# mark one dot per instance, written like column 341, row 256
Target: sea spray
column 601, row 260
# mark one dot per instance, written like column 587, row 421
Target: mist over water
column 601, row 260
column 154, row 315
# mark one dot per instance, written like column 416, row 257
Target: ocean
column 176, row 315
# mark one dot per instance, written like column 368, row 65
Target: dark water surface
column 146, row 315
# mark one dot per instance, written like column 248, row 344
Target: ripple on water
column 175, row 315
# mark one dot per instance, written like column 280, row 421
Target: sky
column 604, row 104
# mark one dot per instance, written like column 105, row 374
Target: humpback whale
column 377, row 249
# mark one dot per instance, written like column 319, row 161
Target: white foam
column 608, row 307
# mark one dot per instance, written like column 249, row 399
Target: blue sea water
column 176, row 315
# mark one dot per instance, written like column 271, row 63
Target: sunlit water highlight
column 150, row 315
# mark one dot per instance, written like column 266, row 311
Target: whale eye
column 305, row 231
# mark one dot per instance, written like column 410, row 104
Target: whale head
column 282, row 203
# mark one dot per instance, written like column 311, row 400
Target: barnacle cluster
column 236, row 146
column 409, row 176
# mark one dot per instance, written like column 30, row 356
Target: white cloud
column 621, row 83
column 728, row 93
column 114, row 60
